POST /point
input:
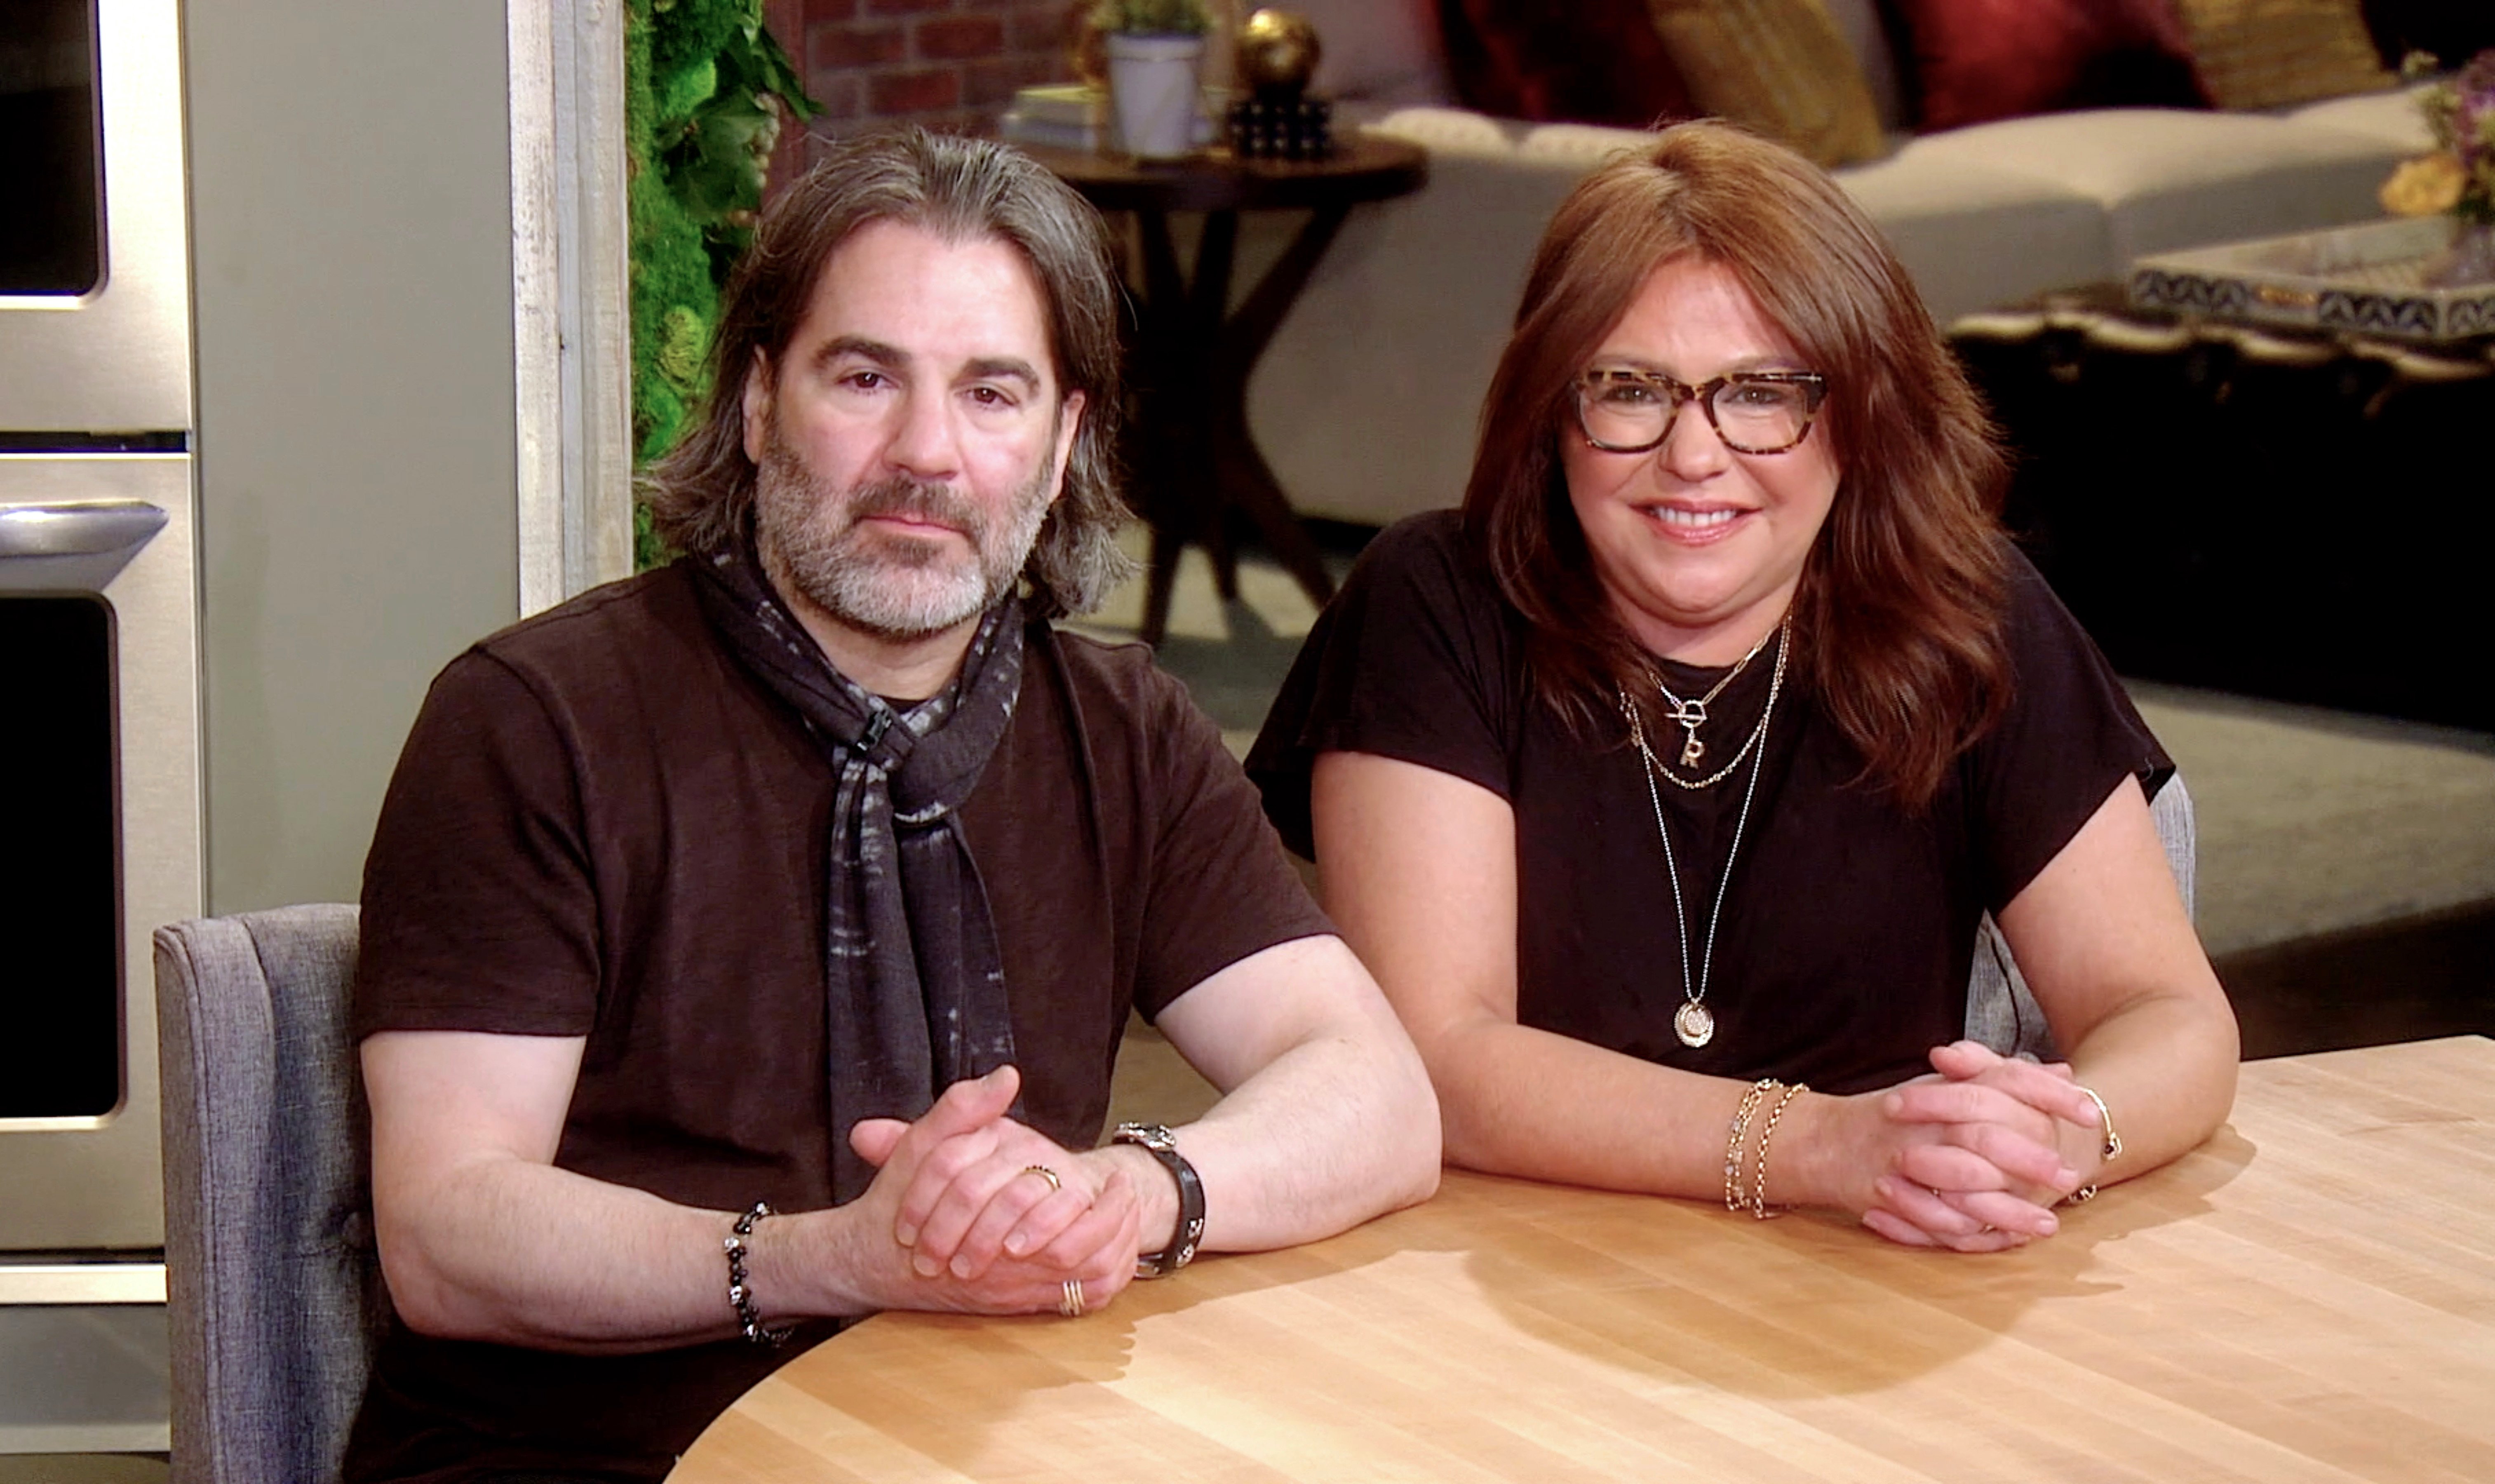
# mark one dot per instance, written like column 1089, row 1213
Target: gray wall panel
column 351, row 209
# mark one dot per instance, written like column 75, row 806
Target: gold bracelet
column 2105, row 1118
column 1759, row 1175
column 1734, row 1200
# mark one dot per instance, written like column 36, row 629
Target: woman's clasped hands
column 1971, row 1157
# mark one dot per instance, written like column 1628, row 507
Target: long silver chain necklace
column 1691, row 713
column 1694, row 1023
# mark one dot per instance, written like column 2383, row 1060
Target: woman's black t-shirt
column 1848, row 925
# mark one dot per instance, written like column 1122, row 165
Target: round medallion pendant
column 1694, row 1024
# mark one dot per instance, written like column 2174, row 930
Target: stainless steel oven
column 100, row 835
column 98, row 756
column 94, row 272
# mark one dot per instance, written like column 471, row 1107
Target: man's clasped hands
column 973, row 1225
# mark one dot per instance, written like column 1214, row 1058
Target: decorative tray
column 2366, row 280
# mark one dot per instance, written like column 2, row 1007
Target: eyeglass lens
column 1632, row 411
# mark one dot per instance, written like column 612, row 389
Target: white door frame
column 570, row 305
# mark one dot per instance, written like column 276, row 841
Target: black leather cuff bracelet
column 1161, row 1145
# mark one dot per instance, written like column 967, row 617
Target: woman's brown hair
column 1897, row 621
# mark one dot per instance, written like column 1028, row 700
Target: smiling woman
column 1646, row 965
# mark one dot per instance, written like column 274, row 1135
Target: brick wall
column 948, row 64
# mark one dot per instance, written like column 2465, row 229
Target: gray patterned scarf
column 917, row 991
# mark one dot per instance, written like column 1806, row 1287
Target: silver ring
column 1071, row 1305
column 1045, row 1173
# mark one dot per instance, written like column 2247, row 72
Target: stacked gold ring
column 1071, row 1304
column 1045, row 1173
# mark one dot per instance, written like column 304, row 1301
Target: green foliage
column 1154, row 17
column 704, row 89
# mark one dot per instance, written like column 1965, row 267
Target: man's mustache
column 917, row 500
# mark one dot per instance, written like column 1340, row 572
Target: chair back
column 273, row 1284
column 2000, row 1011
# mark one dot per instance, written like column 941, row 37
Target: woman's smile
column 1695, row 524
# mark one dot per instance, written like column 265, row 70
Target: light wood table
column 2309, row 1297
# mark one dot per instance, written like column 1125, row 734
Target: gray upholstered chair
column 274, row 1286
column 2000, row 1012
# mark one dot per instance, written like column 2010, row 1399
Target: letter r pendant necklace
column 1694, row 1023
column 1691, row 713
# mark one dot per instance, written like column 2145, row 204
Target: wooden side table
column 1194, row 457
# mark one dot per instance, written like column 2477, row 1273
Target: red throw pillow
column 1586, row 62
column 1984, row 59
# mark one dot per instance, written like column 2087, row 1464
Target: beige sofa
column 1366, row 401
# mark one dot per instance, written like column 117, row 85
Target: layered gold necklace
column 1694, row 1023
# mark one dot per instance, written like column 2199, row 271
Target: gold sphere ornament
column 1278, row 52
column 1088, row 45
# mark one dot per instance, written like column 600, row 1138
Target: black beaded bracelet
column 748, row 1317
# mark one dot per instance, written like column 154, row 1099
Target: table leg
column 1196, row 453
column 1246, row 481
column 1176, row 326
column 1208, row 306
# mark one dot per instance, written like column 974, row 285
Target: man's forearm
column 524, row 1253
column 1338, row 1127
column 491, row 1244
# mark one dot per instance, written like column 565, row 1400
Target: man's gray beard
column 884, row 584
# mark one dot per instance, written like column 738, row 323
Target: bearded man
column 745, row 944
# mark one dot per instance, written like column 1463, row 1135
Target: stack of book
column 1067, row 115
column 1076, row 115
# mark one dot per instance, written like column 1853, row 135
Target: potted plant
column 1156, row 48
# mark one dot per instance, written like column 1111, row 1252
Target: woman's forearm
column 2165, row 1066
column 1522, row 1101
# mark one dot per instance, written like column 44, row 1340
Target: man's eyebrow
column 993, row 367
column 886, row 356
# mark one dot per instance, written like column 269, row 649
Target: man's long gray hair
column 701, row 493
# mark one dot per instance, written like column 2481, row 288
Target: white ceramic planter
column 1153, row 90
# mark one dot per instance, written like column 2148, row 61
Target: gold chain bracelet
column 1758, row 1173
column 1734, row 1199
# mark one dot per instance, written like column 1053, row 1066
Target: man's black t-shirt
column 602, row 826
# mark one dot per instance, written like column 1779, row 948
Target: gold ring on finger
column 1071, row 1304
column 1045, row 1173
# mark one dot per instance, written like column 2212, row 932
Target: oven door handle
column 89, row 528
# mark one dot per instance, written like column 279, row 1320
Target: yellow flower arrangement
column 2459, row 176
column 2428, row 186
